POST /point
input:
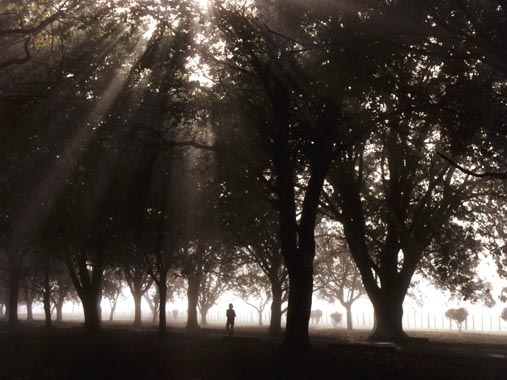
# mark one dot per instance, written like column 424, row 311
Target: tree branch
column 486, row 174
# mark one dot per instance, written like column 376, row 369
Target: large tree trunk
column 388, row 315
column 162, row 291
column 46, row 298
column 92, row 311
column 194, row 283
column 299, row 309
column 88, row 285
column 275, row 323
column 137, row 309
column 12, row 319
column 46, row 301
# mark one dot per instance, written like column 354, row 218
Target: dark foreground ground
column 66, row 352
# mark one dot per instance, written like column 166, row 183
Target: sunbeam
column 54, row 181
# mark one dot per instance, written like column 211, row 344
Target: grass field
column 66, row 352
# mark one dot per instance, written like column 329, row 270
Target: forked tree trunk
column 111, row 314
column 275, row 323
column 194, row 283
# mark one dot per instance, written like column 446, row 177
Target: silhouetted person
column 231, row 314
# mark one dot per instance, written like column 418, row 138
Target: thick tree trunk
column 260, row 317
column 298, row 312
column 388, row 315
column 12, row 319
column 46, row 301
column 46, row 298
column 275, row 323
column 91, row 309
column 162, row 322
column 349, row 317
column 194, row 283
column 137, row 309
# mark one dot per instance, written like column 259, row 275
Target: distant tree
column 336, row 318
column 153, row 300
column 316, row 316
column 458, row 316
column 112, row 289
column 62, row 291
column 14, row 263
column 174, row 287
column 253, row 287
column 503, row 315
column 214, row 284
column 29, row 295
column 336, row 274
column 3, row 294
column 138, row 281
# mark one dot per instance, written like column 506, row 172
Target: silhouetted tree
column 253, row 287
column 112, row 289
column 458, row 316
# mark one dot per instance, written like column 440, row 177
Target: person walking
column 231, row 315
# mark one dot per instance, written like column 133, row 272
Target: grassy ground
column 65, row 352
